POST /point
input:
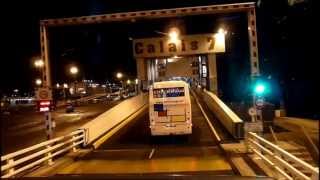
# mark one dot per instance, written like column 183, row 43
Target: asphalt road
column 137, row 134
column 132, row 150
column 25, row 127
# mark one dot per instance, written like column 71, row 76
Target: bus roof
column 169, row 84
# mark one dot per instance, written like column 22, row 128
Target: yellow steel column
column 141, row 72
column 253, row 43
column 45, row 56
column 212, row 68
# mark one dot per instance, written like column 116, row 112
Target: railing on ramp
column 287, row 165
column 22, row 160
column 25, row 159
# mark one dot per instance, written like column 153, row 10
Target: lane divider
column 101, row 140
column 207, row 118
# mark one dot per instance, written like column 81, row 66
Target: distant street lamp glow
column 65, row 85
column 128, row 81
column 57, row 85
column 137, row 81
column 119, row 75
column 38, row 82
column 74, row 70
column 38, row 63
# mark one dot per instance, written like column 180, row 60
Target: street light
column 128, row 81
column 65, row 85
column 38, row 63
column 38, row 82
column 57, row 85
column 137, row 81
column 119, row 75
column 74, row 70
column 174, row 35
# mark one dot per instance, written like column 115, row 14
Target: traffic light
column 260, row 88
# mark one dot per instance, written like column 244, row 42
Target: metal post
column 46, row 73
column 74, row 148
column 48, row 123
column 274, row 135
column 254, row 58
column 247, row 142
column 10, row 170
column 315, row 176
column 49, row 154
column 64, row 94
column 257, row 148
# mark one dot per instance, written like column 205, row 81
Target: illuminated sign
column 185, row 45
column 44, row 105
column 168, row 92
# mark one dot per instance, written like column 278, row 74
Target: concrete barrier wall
column 111, row 118
column 225, row 115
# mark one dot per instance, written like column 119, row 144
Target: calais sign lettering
column 186, row 45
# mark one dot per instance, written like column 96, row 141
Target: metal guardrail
column 281, row 160
column 225, row 115
column 19, row 161
column 113, row 117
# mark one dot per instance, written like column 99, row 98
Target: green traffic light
column 259, row 89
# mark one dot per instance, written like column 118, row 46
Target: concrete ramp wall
column 111, row 118
column 225, row 115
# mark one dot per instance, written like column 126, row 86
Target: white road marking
column 151, row 153
column 207, row 119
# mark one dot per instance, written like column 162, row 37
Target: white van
column 170, row 108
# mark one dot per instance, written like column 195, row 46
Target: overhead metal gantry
column 248, row 8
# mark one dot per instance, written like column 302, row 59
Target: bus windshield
column 168, row 92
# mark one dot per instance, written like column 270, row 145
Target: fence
column 22, row 160
column 286, row 164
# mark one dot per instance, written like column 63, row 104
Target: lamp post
column 119, row 76
column 136, row 86
column 65, row 86
column 74, row 71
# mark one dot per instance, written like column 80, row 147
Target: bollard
column 49, row 154
column 10, row 170
column 74, row 148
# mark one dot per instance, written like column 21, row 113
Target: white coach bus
column 170, row 108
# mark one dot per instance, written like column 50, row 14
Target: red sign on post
column 43, row 94
column 44, row 105
column 44, row 97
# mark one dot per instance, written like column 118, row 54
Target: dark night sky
column 284, row 36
